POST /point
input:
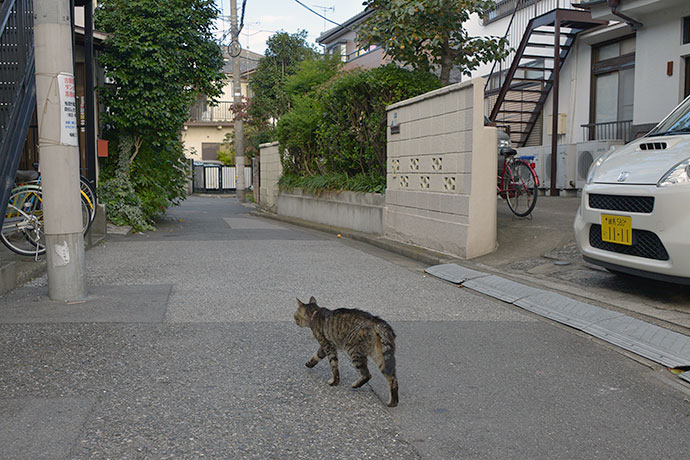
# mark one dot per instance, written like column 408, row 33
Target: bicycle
column 518, row 183
column 22, row 230
column 88, row 192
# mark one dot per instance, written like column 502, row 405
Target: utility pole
column 59, row 152
column 235, row 49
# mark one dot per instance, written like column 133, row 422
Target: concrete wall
column 271, row 169
column 362, row 212
column 441, row 172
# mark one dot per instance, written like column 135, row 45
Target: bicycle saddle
column 26, row 175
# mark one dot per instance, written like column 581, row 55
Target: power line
column 319, row 15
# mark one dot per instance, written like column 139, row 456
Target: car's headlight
column 679, row 174
column 596, row 164
column 503, row 143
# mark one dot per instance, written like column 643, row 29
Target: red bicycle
column 518, row 183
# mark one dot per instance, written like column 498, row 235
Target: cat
column 359, row 333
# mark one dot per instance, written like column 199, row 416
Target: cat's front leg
column 318, row 356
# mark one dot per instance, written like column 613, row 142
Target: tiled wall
column 441, row 191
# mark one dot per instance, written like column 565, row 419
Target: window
column 339, row 49
column 613, row 87
column 687, row 77
column 686, row 30
column 209, row 150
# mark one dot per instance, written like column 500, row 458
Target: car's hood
column 643, row 161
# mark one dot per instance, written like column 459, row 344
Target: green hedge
column 335, row 136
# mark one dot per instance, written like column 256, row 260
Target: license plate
column 616, row 229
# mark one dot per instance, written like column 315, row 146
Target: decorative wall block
column 447, row 200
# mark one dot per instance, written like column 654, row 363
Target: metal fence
column 204, row 112
column 609, row 130
column 212, row 178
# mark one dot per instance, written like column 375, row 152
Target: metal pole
column 554, row 125
column 89, row 93
column 237, row 99
column 59, row 152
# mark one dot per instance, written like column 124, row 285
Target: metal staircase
column 518, row 86
column 17, row 88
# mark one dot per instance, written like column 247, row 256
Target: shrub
column 335, row 135
column 352, row 131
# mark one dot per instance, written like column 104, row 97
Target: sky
column 263, row 18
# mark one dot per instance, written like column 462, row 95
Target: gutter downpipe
column 614, row 4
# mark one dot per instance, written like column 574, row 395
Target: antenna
column 325, row 9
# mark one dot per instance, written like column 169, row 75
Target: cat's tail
column 386, row 336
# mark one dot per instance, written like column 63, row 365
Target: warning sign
column 68, row 110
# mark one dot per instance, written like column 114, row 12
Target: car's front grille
column 645, row 244
column 643, row 204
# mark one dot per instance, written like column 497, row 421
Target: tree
column 284, row 53
column 158, row 56
column 428, row 34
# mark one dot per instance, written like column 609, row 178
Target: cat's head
column 304, row 312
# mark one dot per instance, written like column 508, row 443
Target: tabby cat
column 357, row 332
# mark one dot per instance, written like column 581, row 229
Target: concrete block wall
column 441, row 172
column 271, row 169
column 358, row 211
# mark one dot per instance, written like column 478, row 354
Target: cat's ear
column 312, row 300
column 299, row 302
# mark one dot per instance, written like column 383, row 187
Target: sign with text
column 68, row 110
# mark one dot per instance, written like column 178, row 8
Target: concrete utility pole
column 235, row 50
column 59, row 152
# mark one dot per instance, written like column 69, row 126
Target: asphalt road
column 186, row 348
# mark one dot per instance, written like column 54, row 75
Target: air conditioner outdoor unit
column 565, row 166
column 587, row 153
column 537, row 157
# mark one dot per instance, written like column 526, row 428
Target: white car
column 634, row 216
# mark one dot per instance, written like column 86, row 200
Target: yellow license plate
column 616, row 229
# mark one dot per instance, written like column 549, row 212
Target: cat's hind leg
column 360, row 362
column 318, row 356
column 386, row 364
column 333, row 361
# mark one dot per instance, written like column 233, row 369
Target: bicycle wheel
column 522, row 191
column 22, row 230
column 86, row 214
column 89, row 192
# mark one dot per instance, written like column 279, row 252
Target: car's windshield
column 677, row 122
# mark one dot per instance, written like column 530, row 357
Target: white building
column 623, row 68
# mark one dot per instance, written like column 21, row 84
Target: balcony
column 204, row 114
column 609, row 130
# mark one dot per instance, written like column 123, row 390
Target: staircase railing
column 17, row 88
column 523, row 12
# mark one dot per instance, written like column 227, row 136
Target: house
column 341, row 40
column 208, row 124
column 620, row 70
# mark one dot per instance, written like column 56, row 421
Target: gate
column 212, row 178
